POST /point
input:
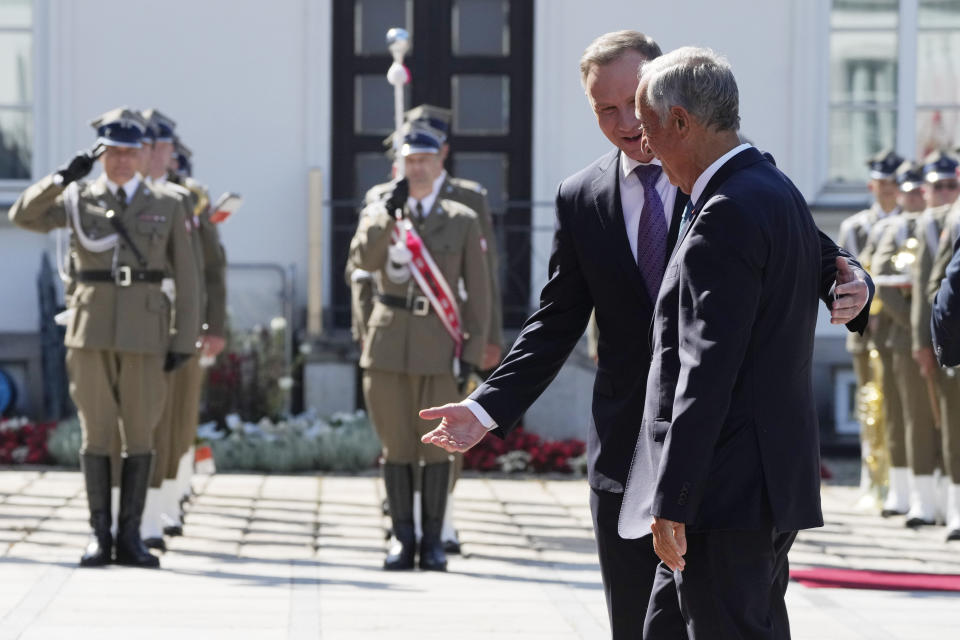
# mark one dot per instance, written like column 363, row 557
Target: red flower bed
column 23, row 442
column 545, row 455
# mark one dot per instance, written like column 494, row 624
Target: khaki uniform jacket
column 467, row 192
column 213, row 316
column 895, row 300
column 929, row 226
column 853, row 236
column 396, row 339
column 186, row 199
column 881, row 321
column 134, row 318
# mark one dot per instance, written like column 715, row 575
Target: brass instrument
column 872, row 420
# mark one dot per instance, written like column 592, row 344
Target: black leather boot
column 436, row 485
column 134, row 479
column 398, row 479
column 96, row 476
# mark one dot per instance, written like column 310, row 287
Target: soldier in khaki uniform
column 408, row 355
column 940, row 192
column 854, row 232
column 909, row 436
column 213, row 309
column 126, row 238
column 177, row 430
column 473, row 195
column 949, row 380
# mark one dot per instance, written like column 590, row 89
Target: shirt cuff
column 480, row 413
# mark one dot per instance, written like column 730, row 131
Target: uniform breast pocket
column 154, row 231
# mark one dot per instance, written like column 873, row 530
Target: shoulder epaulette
column 463, row 183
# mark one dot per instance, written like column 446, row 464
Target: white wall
column 770, row 45
column 247, row 82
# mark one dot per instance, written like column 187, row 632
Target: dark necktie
column 122, row 198
column 652, row 233
column 419, row 210
column 685, row 218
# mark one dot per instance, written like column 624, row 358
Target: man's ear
column 680, row 120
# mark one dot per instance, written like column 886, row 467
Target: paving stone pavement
column 299, row 557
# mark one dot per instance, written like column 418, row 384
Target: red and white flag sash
column 430, row 279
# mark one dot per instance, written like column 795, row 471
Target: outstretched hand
column 458, row 431
column 851, row 293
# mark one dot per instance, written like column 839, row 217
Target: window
column 475, row 56
column 894, row 82
column 938, row 76
column 16, row 89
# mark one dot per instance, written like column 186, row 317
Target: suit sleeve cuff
column 480, row 413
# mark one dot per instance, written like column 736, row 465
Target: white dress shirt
column 428, row 200
column 130, row 188
column 631, row 197
column 710, row 171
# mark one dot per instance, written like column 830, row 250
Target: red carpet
column 853, row 579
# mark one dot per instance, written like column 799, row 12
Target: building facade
column 286, row 103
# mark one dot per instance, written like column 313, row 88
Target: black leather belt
column 122, row 277
column 418, row 305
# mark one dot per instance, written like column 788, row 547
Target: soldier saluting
column 119, row 339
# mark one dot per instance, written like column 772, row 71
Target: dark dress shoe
column 916, row 523
column 953, row 534
column 400, row 556
column 173, row 531
column 156, row 543
column 452, row 547
column 432, row 556
column 889, row 513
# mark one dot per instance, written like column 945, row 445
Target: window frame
column 832, row 194
column 10, row 188
column 431, row 58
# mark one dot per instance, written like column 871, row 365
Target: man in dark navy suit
column 617, row 221
column 726, row 468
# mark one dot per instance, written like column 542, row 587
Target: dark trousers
column 628, row 568
column 731, row 589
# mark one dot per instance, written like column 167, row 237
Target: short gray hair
column 610, row 46
column 698, row 80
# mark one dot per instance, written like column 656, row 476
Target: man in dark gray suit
column 726, row 468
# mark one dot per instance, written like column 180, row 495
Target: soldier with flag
column 421, row 336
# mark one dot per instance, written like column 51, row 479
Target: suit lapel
column 679, row 204
column 743, row 159
column 606, row 199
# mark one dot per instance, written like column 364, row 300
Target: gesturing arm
column 545, row 341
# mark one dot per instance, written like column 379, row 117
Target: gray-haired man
column 726, row 468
